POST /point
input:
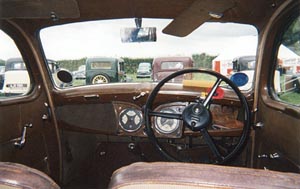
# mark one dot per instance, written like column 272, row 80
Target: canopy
column 246, row 46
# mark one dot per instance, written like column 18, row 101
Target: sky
column 102, row 38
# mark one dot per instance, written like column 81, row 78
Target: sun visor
column 195, row 15
column 41, row 9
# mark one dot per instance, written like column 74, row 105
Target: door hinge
column 47, row 116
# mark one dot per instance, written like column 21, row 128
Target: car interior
column 78, row 115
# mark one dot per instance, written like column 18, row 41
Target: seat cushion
column 187, row 175
column 13, row 175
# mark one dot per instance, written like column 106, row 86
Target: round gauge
column 130, row 119
column 165, row 125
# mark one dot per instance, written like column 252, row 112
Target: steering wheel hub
column 196, row 117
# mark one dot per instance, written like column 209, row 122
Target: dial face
column 130, row 119
column 165, row 125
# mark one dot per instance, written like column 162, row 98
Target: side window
column 14, row 77
column 287, row 74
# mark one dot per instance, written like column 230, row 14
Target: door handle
column 21, row 143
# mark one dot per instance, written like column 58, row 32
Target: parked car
column 144, row 70
column 197, row 132
column 80, row 73
column 17, row 80
column 104, row 70
column 246, row 65
column 2, row 71
column 164, row 66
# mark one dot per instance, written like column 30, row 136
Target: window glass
column 98, row 46
column 14, row 78
column 287, row 74
column 171, row 65
column 101, row 65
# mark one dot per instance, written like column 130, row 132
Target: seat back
column 13, row 175
column 187, row 175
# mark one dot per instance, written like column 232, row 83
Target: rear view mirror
column 129, row 35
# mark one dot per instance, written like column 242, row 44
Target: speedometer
column 166, row 125
column 131, row 119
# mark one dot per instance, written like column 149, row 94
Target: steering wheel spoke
column 166, row 115
column 212, row 145
column 212, row 92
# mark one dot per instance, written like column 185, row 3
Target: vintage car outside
column 80, row 73
column 144, row 70
column 16, row 80
column 202, row 131
column 104, row 70
column 2, row 71
column 164, row 66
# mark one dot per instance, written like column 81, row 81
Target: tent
column 288, row 60
column 246, row 46
column 242, row 46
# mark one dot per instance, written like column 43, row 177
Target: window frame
column 279, row 39
column 270, row 38
column 21, row 43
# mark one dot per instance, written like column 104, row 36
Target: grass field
column 78, row 82
column 291, row 97
column 132, row 78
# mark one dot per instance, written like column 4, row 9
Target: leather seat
column 186, row 175
column 13, row 175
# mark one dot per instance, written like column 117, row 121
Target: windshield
column 212, row 46
column 144, row 65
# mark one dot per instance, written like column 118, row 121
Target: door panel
column 278, row 137
column 278, row 146
column 18, row 109
column 12, row 120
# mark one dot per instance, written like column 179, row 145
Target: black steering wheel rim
column 149, row 108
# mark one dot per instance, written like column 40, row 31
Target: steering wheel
column 197, row 116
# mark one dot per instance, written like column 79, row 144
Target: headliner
column 187, row 14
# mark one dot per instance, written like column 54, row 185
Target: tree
column 71, row 65
column 2, row 62
column 131, row 64
column 291, row 37
column 203, row 60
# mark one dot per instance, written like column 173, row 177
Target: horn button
column 196, row 117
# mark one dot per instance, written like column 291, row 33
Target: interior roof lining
column 39, row 9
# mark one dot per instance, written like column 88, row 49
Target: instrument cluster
column 131, row 120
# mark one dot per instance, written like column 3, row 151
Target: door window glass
column 287, row 73
column 14, row 77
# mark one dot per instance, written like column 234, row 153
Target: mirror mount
column 138, row 22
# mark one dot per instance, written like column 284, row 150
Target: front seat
column 169, row 175
column 13, row 175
